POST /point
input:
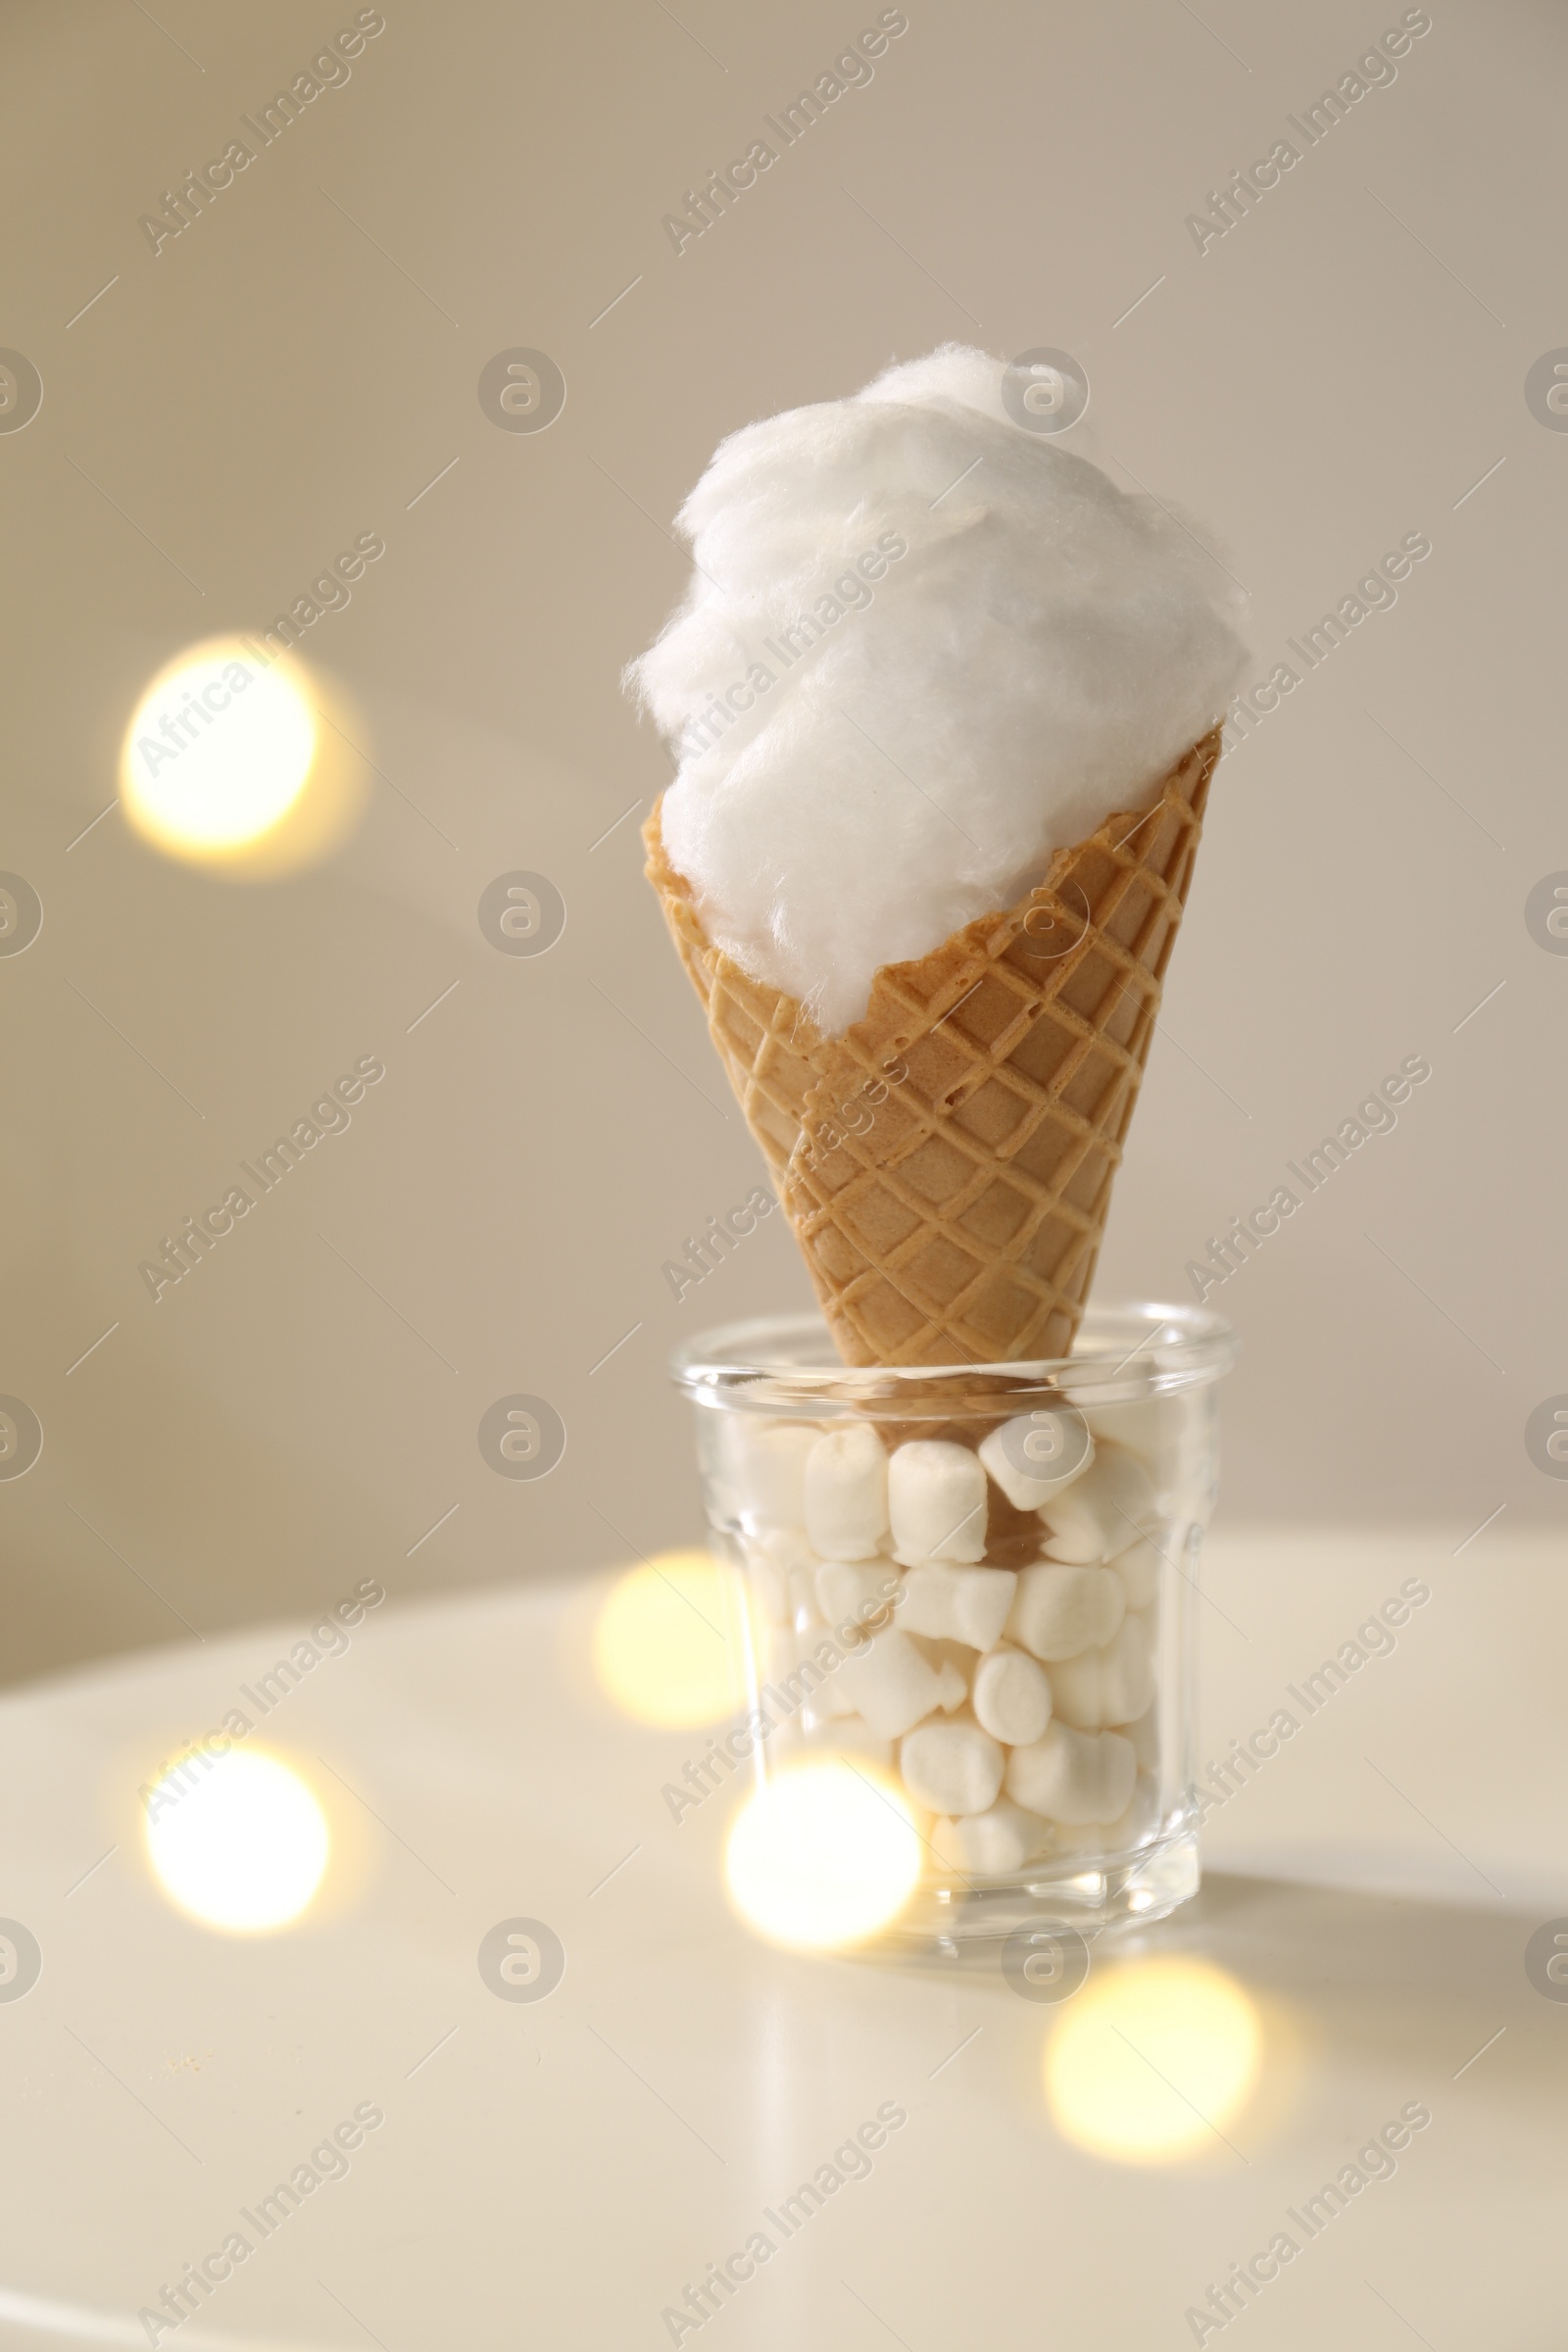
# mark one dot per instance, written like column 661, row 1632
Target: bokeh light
column 668, row 1642
column 822, row 1856
column 1153, row 2060
column 226, row 763
column 238, row 1842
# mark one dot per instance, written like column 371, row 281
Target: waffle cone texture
column 947, row 1163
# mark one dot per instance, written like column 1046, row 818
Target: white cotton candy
column 923, row 648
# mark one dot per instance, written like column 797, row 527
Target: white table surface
column 556, row 2173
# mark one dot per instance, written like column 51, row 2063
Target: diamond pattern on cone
column 954, row 1214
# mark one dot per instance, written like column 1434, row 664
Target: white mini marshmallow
column 890, row 1684
column 780, row 1651
column 848, row 1736
column 1139, row 1569
column 1104, row 1512
column 1130, row 1668
column 1144, row 1737
column 851, row 1591
column 1060, row 1611
column 992, row 1844
column 1139, row 1428
column 1140, row 1820
column 1172, row 1435
column 952, row 1766
column 951, row 1662
column 937, row 1502
column 1020, row 1454
column 802, row 1678
column 768, row 1585
column 764, row 1468
column 1077, row 1778
column 826, row 1704
column 957, row 1605
column 1011, row 1697
column 1111, row 1684
column 803, row 1594
column 847, row 1493
column 1087, row 1843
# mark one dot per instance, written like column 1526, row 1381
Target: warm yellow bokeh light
column 1153, row 2060
column 217, row 750
column 668, row 1643
column 824, row 1856
column 239, row 1841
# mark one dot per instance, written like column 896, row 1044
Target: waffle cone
column 947, row 1163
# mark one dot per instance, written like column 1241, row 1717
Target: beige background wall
column 1337, row 372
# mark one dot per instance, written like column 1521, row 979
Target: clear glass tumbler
column 975, row 1584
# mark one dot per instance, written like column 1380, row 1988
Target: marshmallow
column 856, row 1592
column 1144, row 1737
column 937, row 1502
column 890, row 1684
column 767, row 1588
column 1034, row 1457
column 800, row 1677
column 803, row 1594
column 1077, row 1778
column 783, row 1649
column 1139, row 1570
column 1060, row 1611
column 826, row 1704
column 1104, row 1512
column 1139, row 1428
column 1011, row 1697
column 1171, row 1434
column 950, row 1661
column 764, row 1470
column 992, row 1844
column 952, row 1767
column 1089, row 1843
column 851, row 1739
column 1111, row 1684
column 957, row 1605
column 1129, row 1690
column 847, row 1493
column 1139, row 1823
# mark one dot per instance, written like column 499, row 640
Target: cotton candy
column 923, row 649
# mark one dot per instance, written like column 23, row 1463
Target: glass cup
column 974, row 1586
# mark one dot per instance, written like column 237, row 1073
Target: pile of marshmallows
column 1020, row 1701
